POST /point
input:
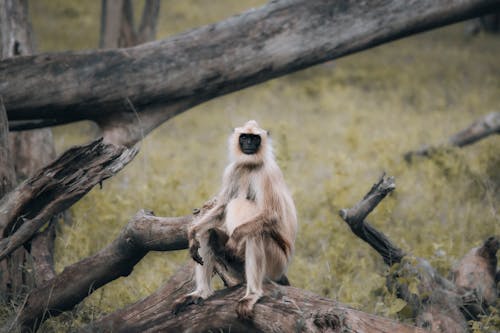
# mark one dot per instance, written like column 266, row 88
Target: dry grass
column 336, row 128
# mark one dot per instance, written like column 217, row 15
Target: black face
column 249, row 143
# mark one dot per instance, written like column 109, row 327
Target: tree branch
column 355, row 218
column 144, row 233
column 210, row 61
column 283, row 309
column 480, row 129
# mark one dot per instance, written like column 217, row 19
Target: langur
column 255, row 211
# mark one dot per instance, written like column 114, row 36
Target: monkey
column 255, row 212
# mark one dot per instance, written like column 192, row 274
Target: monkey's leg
column 255, row 265
column 203, row 278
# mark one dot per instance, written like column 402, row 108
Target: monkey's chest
column 239, row 210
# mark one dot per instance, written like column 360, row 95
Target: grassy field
column 336, row 128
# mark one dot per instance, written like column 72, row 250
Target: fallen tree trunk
column 438, row 304
column 480, row 129
column 283, row 309
column 210, row 61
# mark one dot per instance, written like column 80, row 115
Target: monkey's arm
column 201, row 227
column 261, row 225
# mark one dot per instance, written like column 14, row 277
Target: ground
column 336, row 127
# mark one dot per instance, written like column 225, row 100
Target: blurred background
column 336, row 127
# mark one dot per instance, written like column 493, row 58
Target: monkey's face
column 249, row 143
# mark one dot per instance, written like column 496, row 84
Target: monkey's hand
column 194, row 246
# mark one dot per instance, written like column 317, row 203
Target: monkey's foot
column 183, row 302
column 245, row 306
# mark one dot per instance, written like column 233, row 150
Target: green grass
column 336, row 128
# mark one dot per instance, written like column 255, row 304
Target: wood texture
column 258, row 45
column 144, row 233
column 55, row 188
column 283, row 309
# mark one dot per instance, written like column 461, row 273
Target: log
column 55, row 188
column 480, row 129
column 283, row 309
column 210, row 61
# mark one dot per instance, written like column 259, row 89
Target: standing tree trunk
column 25, row 152
column 117, row 23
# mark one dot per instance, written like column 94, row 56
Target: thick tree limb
column 55, row 188
column 145, row 232
column 261, row 44
column 355, row 218
column 284, row 309
column 480, row 129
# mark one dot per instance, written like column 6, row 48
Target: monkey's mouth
column 249, row 150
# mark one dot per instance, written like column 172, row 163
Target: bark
column 475, row 273
column 117, row 23
column 55, row 188
column 111, row 20
column 355, row 218
column 289, row 308
column 144, row 233
column 283, row 309
column 210, row 61
column 149, row 21
column 29, row 151
column 15, row 29
column 42, row 253
column 7, row 174
column 480, row 129
column 437, row 303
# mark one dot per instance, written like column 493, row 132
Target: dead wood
column 144, row 233
column 475, row 273
column 28, row 152
column 283, row 309
column 480, row 129
column 7, row 174
column 437, row 303
column 55, row 188
column 355, row 218
column 210, row 61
